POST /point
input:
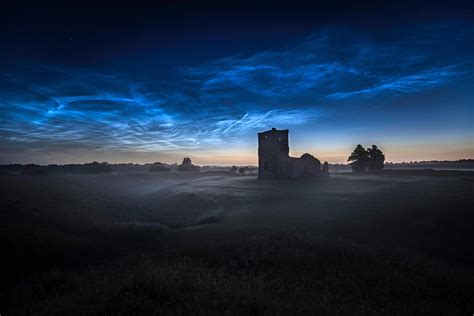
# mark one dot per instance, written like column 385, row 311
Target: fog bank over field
column 259, row 246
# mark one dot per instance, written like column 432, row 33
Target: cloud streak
column 119, row 115
column 219, row 102
column 405, row 84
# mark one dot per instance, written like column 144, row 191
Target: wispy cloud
column 108, row 113
column 333, row 64
column 405, row 84
column 218, row 102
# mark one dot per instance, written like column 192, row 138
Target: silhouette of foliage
column 34, row 170
column 359, row 159
column 377, row 158
column 233, row 169
column 87, row 168
column 242, row 170
column 159, row 167
column 187, row 165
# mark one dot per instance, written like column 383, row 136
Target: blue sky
column 408, row 88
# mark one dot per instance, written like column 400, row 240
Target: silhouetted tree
column 359, row 159
column 187, row 161
column 242, row 170
column 187, row 165
column 233, row 169
column 376, row 158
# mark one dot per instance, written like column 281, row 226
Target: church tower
column 273, row 154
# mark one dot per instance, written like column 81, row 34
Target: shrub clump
column 158, row 167
column 187, row 166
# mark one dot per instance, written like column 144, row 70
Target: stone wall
column 305, row 166
column 274, row 160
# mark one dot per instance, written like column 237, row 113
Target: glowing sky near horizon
column 409, row 89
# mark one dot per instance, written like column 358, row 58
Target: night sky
column 157, row 83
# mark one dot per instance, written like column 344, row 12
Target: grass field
column 216, row 243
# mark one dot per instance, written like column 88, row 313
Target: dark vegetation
column 436, row 164
column 213, row 243
column 243, row 170
column 463, row 164
column 159, row 167
column 32, row 169
column 376, row 159
column 187, row 166
column 362, row 159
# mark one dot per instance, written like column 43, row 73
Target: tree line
column 371, row 159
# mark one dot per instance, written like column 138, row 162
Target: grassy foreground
column 351, row 245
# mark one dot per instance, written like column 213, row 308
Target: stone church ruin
column 274, row 161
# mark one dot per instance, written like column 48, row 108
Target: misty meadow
column 221, row 158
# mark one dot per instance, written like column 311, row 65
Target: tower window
column 279, row 139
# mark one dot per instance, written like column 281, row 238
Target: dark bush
column 187, row 166
column 159, row 167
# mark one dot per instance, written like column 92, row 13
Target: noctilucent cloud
column 408, row 88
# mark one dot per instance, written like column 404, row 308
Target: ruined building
column 274, row 160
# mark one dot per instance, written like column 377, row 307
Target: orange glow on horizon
column 242, row 156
